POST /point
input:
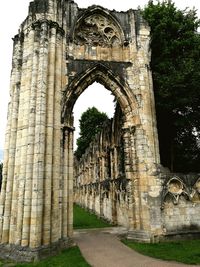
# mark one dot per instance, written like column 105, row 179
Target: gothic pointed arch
column 101, row 74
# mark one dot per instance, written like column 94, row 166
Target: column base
column 27, row 254
column 139, row 236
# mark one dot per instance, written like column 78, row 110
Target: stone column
column 130, row 164
column 30, row 138
column 21, row 142
column 152, row 112
column 56, row 219
column 70, row 185
column 116, row 162
column 39, row 144
column 49, row 142
column 10, row 141
column 67, row 210
column 24, row 128
column 112, row 188
column 65, row 182
column 100, row 184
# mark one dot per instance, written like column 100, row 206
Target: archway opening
column 98, row 105
column 99, row 174
column 100, row 180
column 94, row 96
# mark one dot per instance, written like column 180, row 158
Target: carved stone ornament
column 195, row 195
column 175, row 186
column 197, row 186
column 97, row 29
column 173, row 190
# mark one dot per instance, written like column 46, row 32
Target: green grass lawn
column 68, row 258
column 85, row 220
column 182, row 251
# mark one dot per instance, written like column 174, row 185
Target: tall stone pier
column 59, row 51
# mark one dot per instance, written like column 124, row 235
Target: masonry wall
column 181, row 205
column 100, row 186
column 182, row 218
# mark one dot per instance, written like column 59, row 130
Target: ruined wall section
column 100, row 184
column 116, row 44
column 112, row 48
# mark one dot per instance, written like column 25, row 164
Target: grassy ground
column 182, row 251
column 85, row 220
column 68, row 258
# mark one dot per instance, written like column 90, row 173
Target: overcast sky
column 12, row 15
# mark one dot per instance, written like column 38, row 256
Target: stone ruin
column 59, row 51
column 101, row 186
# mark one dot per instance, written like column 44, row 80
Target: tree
column 91, row 123
column 175, row 65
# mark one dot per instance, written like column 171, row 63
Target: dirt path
column 102, row 248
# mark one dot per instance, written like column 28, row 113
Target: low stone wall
column 181, row 205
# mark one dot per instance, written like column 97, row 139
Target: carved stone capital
column 40, row 24
column 37, row 25
column 18, row 38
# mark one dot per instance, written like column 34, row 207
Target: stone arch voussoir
column 104, row 76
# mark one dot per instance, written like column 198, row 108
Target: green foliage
column 182, row 251
column 91, row 123
column 71, row 257
column 175, row 65
column 86, row 220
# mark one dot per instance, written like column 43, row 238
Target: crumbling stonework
column 100, row 185
column 59, row 51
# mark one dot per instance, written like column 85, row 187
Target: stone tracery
column 97, row 30
column 175, row 188
column 195, row 194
